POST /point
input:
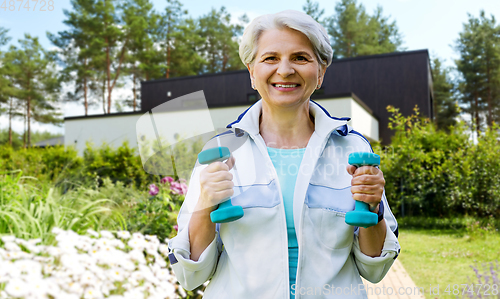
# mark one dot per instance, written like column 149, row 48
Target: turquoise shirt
column 287, row 164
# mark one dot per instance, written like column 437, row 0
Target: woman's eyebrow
column 295, row 53
column 302, row 53
column 269, row 53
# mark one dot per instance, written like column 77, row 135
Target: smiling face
column 285, row 71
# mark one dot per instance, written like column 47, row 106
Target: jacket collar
column 324, row 124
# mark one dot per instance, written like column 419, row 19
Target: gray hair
column 292, row 19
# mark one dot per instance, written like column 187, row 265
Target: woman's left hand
column 367, row 185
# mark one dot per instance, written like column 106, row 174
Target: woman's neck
column 286, row 127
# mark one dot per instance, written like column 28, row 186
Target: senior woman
column 293, row 241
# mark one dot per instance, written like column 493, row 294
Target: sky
column 424, row 24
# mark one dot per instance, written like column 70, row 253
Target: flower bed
column 95, row 265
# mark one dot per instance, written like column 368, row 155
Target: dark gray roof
column 51, row 142
column 400, row 79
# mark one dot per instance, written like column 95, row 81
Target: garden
column 97, row 225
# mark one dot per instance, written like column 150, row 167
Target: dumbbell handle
column 361, row 216
column 225, row 212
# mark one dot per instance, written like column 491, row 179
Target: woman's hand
column 216, row 184
column 367, row 185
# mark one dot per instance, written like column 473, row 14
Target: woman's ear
column 321, row 74
column 250, row 71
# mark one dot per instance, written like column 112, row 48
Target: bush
column 27, row 211
column 157, row 214
column 440, row 174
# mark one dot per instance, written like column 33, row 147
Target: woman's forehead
column 280, row 40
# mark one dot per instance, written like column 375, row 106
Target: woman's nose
column 285, row 69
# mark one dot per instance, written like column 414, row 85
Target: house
column 360, row 88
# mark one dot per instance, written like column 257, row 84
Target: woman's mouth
column 285, row 87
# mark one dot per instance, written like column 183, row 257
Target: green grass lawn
column 445, row 256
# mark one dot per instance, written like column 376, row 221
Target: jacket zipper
column 301, row 222
column 260, row 144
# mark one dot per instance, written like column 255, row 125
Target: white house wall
column 361, row 120
column 114, row 130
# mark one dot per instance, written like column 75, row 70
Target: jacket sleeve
column 374, row 269
column 189, row 273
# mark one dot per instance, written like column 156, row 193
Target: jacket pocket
column 256, row 196
column 326, row 209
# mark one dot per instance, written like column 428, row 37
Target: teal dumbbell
column 225, row 212
column 361, row 216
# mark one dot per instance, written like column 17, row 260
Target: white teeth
column 286, row 86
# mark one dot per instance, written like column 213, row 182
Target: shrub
column 440, row 174
column 157, row 214
column 27, row 211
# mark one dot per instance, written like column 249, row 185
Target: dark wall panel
column 398, row 79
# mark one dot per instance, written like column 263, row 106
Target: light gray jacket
column 253, row 261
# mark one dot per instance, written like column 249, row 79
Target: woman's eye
column 302, row 58
column 269, row 58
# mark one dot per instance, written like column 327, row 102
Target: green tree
column 220, row 47
column 445, row 106
column 143, row 59
column 354, row 32
column 170, row 23
column 35, row 82
column 4, row 83
column 479, row 65
column 78, row 53
column 312, row 9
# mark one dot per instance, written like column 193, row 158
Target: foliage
column 17, row 139
column 33, row 81
column 479, row 65
column 446, row 109
column 220, row 49
column 157, row 214
column 435, row 173
column 312, row 9
column 95, row 265
column 27, row 211
column 354, row 32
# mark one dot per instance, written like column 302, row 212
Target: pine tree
column 312, row 9
column 144, row 60
column 354, row 32
column 445, row 106
column 35, row 82
column 79, row 55
column 4, row 83
column 220, row 47
column 479, row 65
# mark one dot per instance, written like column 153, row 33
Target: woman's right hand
column 216, row 184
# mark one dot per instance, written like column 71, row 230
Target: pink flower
column 176, row 227
column 178, row 188
column 153, row 189
column 167, row 179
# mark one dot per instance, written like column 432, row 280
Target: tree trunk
column 476, row 112
column 29, row 114
column 108, row 75
column 133, row 90
column 85, row 89
column 168, row 61
column 10, row 122
column 104, row 95
column 24, row 133
column 488, row 88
